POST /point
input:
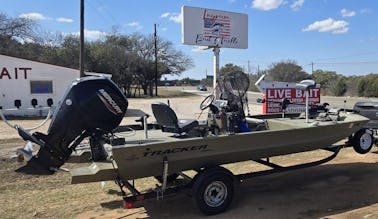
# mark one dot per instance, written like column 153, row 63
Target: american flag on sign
column 216, row 26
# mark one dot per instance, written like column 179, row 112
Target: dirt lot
column 342, row 188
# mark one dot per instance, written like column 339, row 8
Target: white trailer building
column 27, row 83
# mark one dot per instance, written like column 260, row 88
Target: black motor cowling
column 89, row 105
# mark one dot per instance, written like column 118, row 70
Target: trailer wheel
column 362, row 141
column 213, row 190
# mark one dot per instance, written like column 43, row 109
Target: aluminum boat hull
column 141, row 157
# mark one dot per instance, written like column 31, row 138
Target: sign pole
column 216, row 51
column 306, row 93
column 81, row 55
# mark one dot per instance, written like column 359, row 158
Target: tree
column 286, row 71
column 368, row 86
column 130, row 59
column 170, row 61
column 352, row 85
column 229, row 67
column 326, row 79
column 20, row 28
column 14, row 34
column 253, row 78
column 69, row 52
column 113, row 56
column 341, row 87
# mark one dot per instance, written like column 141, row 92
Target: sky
column 332, row 35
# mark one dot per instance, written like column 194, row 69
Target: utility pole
column 249, row 68
column 258, row 70
column 312, row 67
column 81, row 38
column 156, row 62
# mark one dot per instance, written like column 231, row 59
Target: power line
column 346, row 63
column 109, row 18
column 348, row 56
column 110, row 14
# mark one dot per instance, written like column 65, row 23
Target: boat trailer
column 204, row 189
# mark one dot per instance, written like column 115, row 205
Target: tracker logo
column 109, row 102
column 198, row 148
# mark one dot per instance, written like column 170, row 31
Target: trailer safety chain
column 122, row 183
column 118, row 179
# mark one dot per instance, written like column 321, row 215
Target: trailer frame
column 162, row 190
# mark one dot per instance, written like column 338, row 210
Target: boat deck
column 153, row 136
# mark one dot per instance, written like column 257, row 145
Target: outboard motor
column 91, row 106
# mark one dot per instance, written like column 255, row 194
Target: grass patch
column 167, row 92
column 52, row 196
column 25, row 196
column 164, row 92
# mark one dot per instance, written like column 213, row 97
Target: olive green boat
column 140, row 157
column 93, row 107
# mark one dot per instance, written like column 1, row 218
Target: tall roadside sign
column 214, row 29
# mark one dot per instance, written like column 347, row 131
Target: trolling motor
column 91, row 107
column 227, row 115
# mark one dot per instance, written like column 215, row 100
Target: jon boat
column 93, row 107
column 140, row 157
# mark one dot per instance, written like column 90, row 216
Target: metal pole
column 216, row 51
column 156, row 62
column 145, row 126
column 306, row 106
column 81, row 38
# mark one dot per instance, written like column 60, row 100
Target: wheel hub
column 365, row 141
column 215, row 194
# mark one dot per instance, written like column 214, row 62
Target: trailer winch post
column 165, row 175
column 161, row 189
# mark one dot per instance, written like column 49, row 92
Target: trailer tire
column 213, row 190
column 362, row 141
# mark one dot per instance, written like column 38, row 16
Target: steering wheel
column 207, row 102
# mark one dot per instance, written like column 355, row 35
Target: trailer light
column 140, row 197
column 128, row 205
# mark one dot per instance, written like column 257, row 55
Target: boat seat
column 167, row 119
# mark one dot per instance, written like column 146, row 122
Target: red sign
column 15, row 73
column 274, row 96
